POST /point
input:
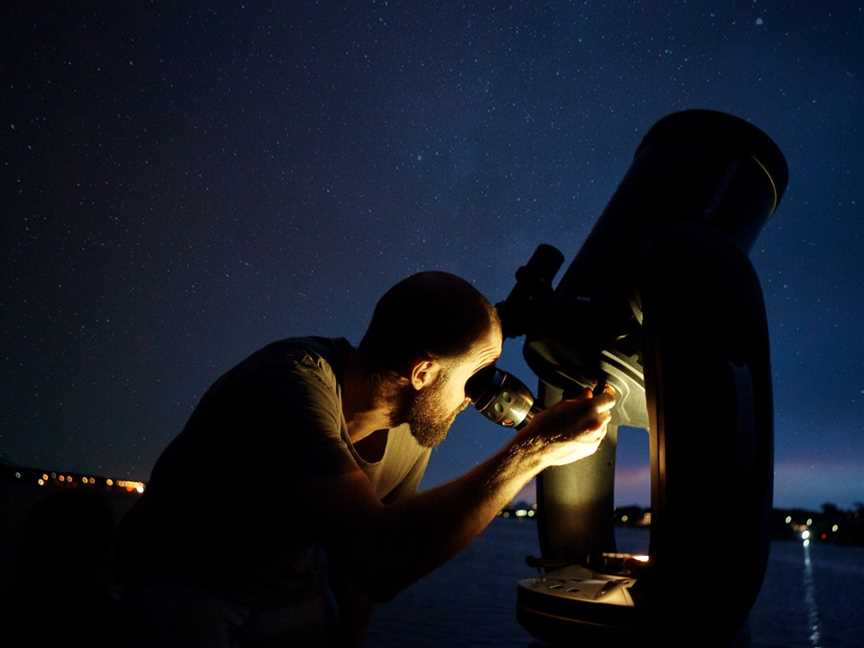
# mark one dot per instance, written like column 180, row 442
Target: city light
column 835, row 528
column 809, row 521
column 45, row 479
column 788, row 519
column 530, row 513
column 130, row 485
column 520, row 513
column 805, row 535
column 806, row 543
column 624, row 518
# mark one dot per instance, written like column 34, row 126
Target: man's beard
column 424, row 414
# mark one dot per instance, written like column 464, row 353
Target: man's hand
column 569, row 430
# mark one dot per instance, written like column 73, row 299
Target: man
column 287, row 504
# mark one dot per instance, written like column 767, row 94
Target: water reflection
column 813, row 622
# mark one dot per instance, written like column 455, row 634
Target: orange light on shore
column 44, row 477
column 109, row 482
column 131, row 485
column 641, row 558
column 61, row 478
column 41, row 482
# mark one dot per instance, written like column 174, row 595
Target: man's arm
column 389, row 547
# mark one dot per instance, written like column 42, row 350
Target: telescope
column 662, row 304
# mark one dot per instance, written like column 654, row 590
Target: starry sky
column 184, row 184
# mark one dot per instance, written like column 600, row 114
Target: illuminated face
column 431, row 411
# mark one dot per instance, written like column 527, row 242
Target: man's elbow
column 369, row 561
column 378, row 577
column 367, row 581
column 377, row 551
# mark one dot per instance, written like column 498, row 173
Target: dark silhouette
column 60, row 586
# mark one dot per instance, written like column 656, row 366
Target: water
column 811, row 596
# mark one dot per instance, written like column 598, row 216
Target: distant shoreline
column 831, row 525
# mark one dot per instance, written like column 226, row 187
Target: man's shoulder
column 331, row 349
column 322, row 355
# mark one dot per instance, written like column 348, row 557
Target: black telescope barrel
column 695, row 167
column 717, row 131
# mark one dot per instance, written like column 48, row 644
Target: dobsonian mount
column 663, row 304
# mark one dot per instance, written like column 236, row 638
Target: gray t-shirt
column 224, row 505
column 398, row 472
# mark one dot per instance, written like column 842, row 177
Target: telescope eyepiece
column 501, row 397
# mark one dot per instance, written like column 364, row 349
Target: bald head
column 427, row 315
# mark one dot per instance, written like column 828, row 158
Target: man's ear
column 424, row 372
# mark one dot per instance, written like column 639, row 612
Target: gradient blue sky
column 184, row 184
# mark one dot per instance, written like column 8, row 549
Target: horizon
column 526, row 495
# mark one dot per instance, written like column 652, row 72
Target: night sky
column 182, row 185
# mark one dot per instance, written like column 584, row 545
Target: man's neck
column 364, row 412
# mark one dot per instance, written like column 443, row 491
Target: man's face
column 431, row 411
